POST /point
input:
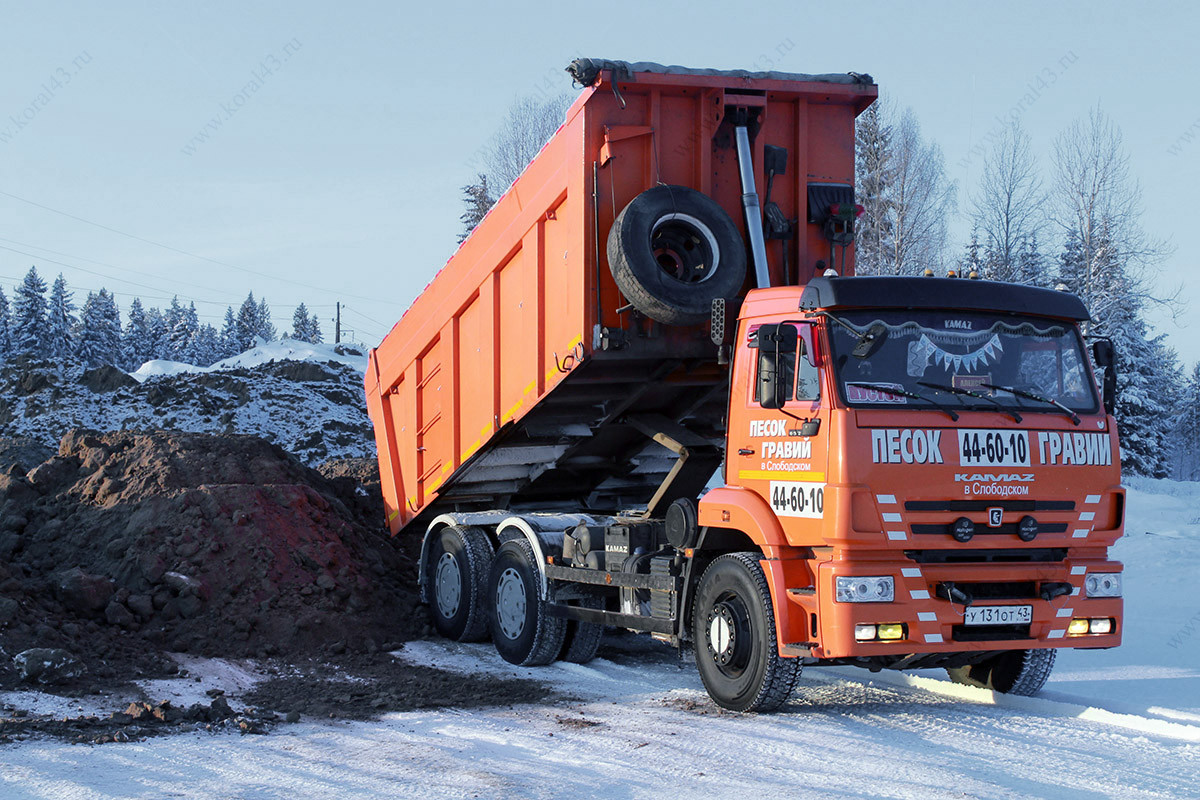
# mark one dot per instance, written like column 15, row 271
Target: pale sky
column 339, row 177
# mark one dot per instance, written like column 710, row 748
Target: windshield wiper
column 1031, row 396
column 883, row 387
column 969, row 393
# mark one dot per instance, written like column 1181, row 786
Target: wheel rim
column 511, row 603
column 685, row 248
column 728, row 638
column 448, row 585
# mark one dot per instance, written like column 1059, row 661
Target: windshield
column 961, row 359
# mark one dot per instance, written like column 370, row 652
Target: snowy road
column 643, row 727
column 1120, row 723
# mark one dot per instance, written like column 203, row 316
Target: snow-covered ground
column 1120, row 723
column 307, row 398
column 283, row 350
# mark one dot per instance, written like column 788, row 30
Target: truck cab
column 929, row 472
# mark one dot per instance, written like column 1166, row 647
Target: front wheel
column 522, row 629
column 733, row 627
column 1020, row 672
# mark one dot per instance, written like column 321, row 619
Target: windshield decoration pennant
column 922, row 351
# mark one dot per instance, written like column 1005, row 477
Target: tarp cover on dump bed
column 586, row 70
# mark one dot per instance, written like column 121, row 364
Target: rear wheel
column 522, row 629
column 1020, row 672
column 672, row 251
column 733, row 627
column 583, row 638
column 456, row 575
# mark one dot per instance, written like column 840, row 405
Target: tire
column 456, row 576
column 1019, row 672
column 672, row 251
column 583, row 638
column 522, row 630
column 733, row 627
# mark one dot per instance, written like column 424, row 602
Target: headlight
column 1103, row 584
column 865, row 590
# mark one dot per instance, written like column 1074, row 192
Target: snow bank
column 283, row 350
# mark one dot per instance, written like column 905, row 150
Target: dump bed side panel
column 520, row 374
column 479, row 345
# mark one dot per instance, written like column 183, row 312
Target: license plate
column 998, row 615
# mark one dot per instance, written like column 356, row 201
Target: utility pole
column 337, row 329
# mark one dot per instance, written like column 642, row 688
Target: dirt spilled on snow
column 125, row 547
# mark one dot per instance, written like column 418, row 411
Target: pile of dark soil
column 124, row 545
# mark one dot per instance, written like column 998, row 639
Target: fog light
column 963, row 529
column 864, row 633
column 1101, row 625
column 892, row 630
column 1027, row 529
column 1078, row 627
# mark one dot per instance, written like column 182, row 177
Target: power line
column 105, row 264
column 109, row 277
column 135, row 237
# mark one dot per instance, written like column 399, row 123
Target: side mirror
column 1105, row 357
column 776, row 353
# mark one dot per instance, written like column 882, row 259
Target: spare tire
column 672, row 251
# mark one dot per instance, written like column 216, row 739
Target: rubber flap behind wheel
column 672, row 251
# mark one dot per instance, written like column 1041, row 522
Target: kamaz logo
column 994, row 477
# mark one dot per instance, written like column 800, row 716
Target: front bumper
column 934, row 624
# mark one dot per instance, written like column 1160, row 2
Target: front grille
column 1009, row 528
column 1038, row 555
column 1000, row 590
column 984, row 505
column 989, row 633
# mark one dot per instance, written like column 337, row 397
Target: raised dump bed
column 555, row 361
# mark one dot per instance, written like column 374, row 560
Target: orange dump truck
column 913, row 472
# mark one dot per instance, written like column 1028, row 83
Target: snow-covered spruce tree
column 913, row 206
column 158, row 335
column 5, row 327
column 171, row 319
column 183, row 332
column 874, row 173
column 300, row 324
column 265, row 329
column 30, row 327
column 228, row 338
column 972, row 259
column 314, row 330
column 1031, row 267
column 60, row 319
column 1185, row 445
column 247, row 324
column 205, row 347
column 1144, row 368
column 136, row 347
column 477, row 199
column 99, row 332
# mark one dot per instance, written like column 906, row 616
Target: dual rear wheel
column 474, row 592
